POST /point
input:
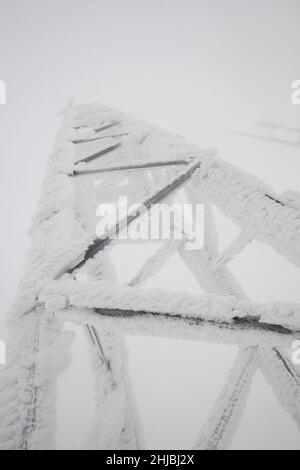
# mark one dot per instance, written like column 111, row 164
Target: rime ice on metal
column 70, row 275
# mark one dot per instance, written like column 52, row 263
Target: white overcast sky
column 192, row 66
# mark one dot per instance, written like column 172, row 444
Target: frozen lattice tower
column 70, row 276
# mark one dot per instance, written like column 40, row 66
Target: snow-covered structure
column 70, row 275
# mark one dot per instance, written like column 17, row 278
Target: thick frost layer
column 37, row 349
column 62, row 231
column 252, row 205
column 102, row 295
column 164, row 326
column 223, row 422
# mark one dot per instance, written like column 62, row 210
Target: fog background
column 180, row 64
column 194, row 67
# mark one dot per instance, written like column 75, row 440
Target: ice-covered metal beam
column 142, row 166
column 218, row 432
column 252, row 205
column 100, row 153
column 100, row 137
column 101, row 128
column 104, row 295
column 166, row 190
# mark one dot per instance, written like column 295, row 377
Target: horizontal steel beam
column 144, row 166
column 100, row 137
column 243, row 325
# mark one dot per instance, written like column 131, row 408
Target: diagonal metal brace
column 100, row 153
column 100, row 243
column 144, row 166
